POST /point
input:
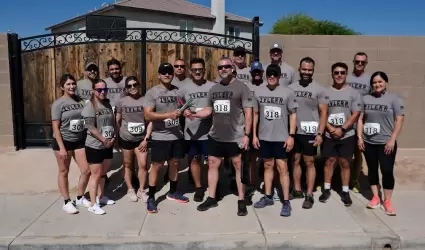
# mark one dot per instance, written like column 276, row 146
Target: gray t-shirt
column 68, row 112
column 273, row 112
column 115, row 90
column 102, row 119
column 176, row 82
column 198, row 128
column 379, row 117
column 133, row 125
column 361, row 83
column 309, row 98
column 288, row 76
column 228, row 103
column 243, row 74
column 342, row 103
column 84, row 89
column 163, row 101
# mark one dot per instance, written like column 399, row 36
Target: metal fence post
column 143, row 64
column 256, row 38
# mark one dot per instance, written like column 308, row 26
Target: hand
column 360, row 144
column 109, row 142
column 175, row 114
column 63, row 154
column 318, row 140
column 289, row 144
column 338, row 133
column 187, row 113
column 256, row 142
column 245, row 142
column 143, row 147
column 389, row 147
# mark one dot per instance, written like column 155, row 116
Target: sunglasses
column 272, row 74
column 100, row 90
column 360, row 62
column 239, row 54
column 339, row 73
column 130, row 86
column 197, row 70
column 166, row 73
column 179, row 66
column 227, row 66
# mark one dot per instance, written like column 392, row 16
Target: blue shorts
column 272, row 149
column 197, row 148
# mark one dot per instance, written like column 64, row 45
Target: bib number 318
column 336, row 119
column 222, row 106
column 272, row 113
column 371, row 128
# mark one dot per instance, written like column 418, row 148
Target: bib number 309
column 222, row 106
column 76, row 125
column 108, row 132
column 136, row 128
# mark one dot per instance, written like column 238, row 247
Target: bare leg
column 213, row 173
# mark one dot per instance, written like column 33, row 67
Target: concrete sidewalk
column 31, row 218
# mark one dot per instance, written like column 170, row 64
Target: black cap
column 273, row 69
column 165, row 68
column 239, row 49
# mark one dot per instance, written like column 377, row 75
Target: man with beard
column 288, row 72
column 360, row 81
column 230, row 104
column 239, row 62
column 84, row 86
column 115, row 82
column 179, row 73
column 311, row 123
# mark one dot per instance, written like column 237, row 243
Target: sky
column 373, row 17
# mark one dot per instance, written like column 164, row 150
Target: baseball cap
column 239, row 49
column 276, row 46
column 165, row 68
column 92, row 64
column 273, row 69
column 256, row 66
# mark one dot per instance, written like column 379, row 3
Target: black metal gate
column 17, row 46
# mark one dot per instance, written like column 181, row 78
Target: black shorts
column 128, row 145
column 165, row 150
column 223, row 149
column 97, row 156
column 339, row 148
column 69, row 145
column 272, row 149
column 197, row 148
column 304, row 145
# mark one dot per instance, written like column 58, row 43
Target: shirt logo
column 376, row 107
column 339, row 103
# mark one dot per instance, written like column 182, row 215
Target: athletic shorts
column 128, row 145
column 339, row 148
column 97, row 156
column 197, row 148
column 223, row 149
column 304, row 145
column 272, row 150
column 69, row 145
column 166, row 150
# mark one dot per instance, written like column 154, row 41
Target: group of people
column 268, row 112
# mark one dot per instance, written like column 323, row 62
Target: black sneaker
column 326, row 193
column 346, row 199
column 308, row 202
column 207, row 204
column 242, row 211
column 199, row 195
column 249, row 190
column 297, row 194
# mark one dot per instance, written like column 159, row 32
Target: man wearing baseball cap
column 84, row 86
column 161, row 108
column 239, row 61
column 288, row 72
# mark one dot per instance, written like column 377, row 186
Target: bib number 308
column 169, row 123
column 76, row 125
column 108, row 132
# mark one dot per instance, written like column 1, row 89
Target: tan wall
column 6, row 123
column 402, row 58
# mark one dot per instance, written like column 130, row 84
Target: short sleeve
column 323, row 96
column 149, row 99
column 56, row 110
column 357, row 102
column 119, row 106
column 246, row 97
column 88, row 111
column 292, row 103
column 255, row 103
column 209, row 98
column 181, row 92
column 398, row 106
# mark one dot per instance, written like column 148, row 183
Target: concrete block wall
column 6, row 122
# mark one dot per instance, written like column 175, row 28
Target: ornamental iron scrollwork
column 134, row 35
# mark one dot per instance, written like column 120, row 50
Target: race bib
column 108, row 132
column 222, row 106
column 76, row 125
column 136, row 128
column 170, row 123
column 309, row 127
column 371, row 128
column 272, row 113
column 336, row 119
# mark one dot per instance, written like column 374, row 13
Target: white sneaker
column 70, row 208
column 132, row 195
column 142, row 195
column 83, row 202
column 105, row 200
column 276, row 195
column 96, row 209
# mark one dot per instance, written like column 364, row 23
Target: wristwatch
column 343, row 130
column 321, row 134
column 292, row 135
column 247, row 134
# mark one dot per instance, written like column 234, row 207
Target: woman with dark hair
column 99, row 121
column 133, row 135
column 68, row 141
column 378, row 127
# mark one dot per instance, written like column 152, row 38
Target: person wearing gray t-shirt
column 133, row 134
column 68, row 141
column 115, row 82
column 100, row 124
column 312, row 115
column 85, row 86
column 179, row 78
column 239, row 62
column 378, row 128
column 289, row 74
column 162, row 109
column 276, row 109
column 230, row 104
column 345, row 105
